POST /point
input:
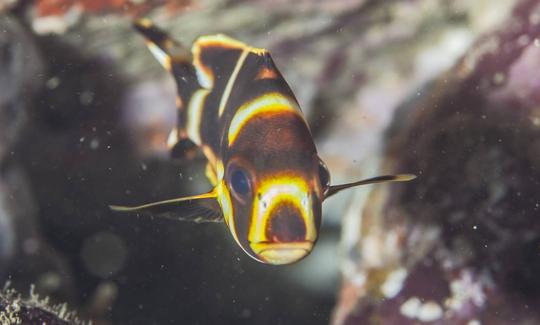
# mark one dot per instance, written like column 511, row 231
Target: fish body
column 269, row 182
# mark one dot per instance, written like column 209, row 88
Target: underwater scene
column 336, row 162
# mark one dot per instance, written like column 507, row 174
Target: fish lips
column 279, row 253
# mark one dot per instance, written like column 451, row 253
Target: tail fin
column 172, row 56
column 177, row 60
column 165, row 49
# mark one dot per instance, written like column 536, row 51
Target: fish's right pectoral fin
column 184, row 149
column 196, row 208
column 379, row 179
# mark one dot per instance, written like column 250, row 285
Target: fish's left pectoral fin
column 196, row 208
column 379, row 179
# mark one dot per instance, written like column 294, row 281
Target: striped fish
column 269, row 183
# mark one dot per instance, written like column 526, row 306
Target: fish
column 268, row 180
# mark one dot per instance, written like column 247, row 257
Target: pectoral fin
column 196, row 208
column 184, row 149
column 379, row 179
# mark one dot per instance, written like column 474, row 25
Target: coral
column 14, row 309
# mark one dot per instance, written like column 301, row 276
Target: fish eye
column 239, row 182
column 324, row 175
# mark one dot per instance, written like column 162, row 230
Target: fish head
column 272, row 190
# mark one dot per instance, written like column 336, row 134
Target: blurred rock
column 21, row 68
column 150, row 116
column 33, row 260
column 7, row 237
column 461, row 244
column 60, row 15
column 61, row 7
column 24, row 253
column 6, row 5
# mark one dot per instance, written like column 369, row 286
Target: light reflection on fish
column 269, row 182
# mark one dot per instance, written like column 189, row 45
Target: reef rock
column 24, row 253
column 460, row 244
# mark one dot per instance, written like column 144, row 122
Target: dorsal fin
column 215, row 57
column 258, row 79
column 218, row 60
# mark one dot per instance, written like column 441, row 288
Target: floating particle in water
column 94, row 144
column 52, row 83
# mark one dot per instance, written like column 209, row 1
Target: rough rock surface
column 459, row 245
column 24, row 253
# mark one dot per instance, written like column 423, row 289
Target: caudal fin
column 177, row 60
column 164, row 48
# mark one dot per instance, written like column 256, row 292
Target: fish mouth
column 281, row 253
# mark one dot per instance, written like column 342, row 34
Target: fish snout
column 286, row 236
